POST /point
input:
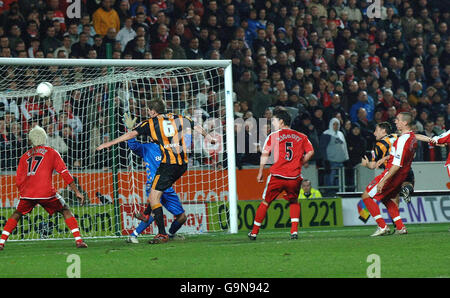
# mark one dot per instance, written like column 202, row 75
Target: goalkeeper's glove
column 129, row 122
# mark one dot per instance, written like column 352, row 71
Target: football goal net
column 86, row 108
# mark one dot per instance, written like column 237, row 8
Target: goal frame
column 228, row 83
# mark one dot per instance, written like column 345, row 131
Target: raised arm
column 125, row 137
column 423, row 138
column 199, row 129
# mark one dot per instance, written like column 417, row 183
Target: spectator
column 262, row 100
column 308, row 192
column 363, row 102
column 123, row 11
column 245, row 89
column 178, row 51
column 160, row 41
column 105, row 17
column 126, row 33
column 334, row 108
column 50, row 43
column 356, row 144
column 99, row 47
column 353, row 12
column 333, row 148
column 86, row 21
column 110, row 38
column 64, row 51
column 81, row 48
column 430, row 152
column 193, row 51
column 55, row 140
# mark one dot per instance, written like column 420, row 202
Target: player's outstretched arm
column 202, row 131
column 442, row 138
column 424, row 138
column 125, row 137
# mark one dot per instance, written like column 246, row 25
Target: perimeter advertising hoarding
column 422, row 209
column 314, row 213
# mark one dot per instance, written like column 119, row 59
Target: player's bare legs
column 155, row 203
column 374, row 210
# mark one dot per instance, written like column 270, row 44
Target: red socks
column 395, row 214
column 12, row 223
column 294, row 210
column 7, row 230
column 72, row 223
column 374, row 211
column 259, row 217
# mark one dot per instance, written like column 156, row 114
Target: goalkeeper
column 151, row 154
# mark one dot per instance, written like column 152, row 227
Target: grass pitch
column 318, row 253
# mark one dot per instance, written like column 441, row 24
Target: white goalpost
column 86, row 108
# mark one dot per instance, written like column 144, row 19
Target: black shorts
column 410, row 177
column 167, row 175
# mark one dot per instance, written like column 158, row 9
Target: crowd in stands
column 325, row 61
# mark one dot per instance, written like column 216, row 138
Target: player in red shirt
column 290, row 149
column 444, row 139
column 34, row 181
column 387, row 185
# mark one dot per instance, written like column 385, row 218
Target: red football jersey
column 402, row 152
column 287, row 147
column 35, row 170
column 444, row 139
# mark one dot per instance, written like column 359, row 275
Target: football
column 44, row 89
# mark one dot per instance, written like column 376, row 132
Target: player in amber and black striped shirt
column 167, row 130
column 173, row 133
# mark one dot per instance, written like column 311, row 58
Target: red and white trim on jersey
column 442, row 138
column 268, row 138
column 399, row 155
column 47, row 198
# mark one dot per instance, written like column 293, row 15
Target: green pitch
column 341, row 252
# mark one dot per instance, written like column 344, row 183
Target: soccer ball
column 44, row 89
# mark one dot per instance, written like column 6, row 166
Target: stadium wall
column 425, row 207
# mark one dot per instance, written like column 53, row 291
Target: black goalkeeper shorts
column 167, row 175
column 410, row 178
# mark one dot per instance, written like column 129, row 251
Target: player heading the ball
column 173, row 134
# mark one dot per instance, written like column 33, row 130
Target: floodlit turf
column 343, row 252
